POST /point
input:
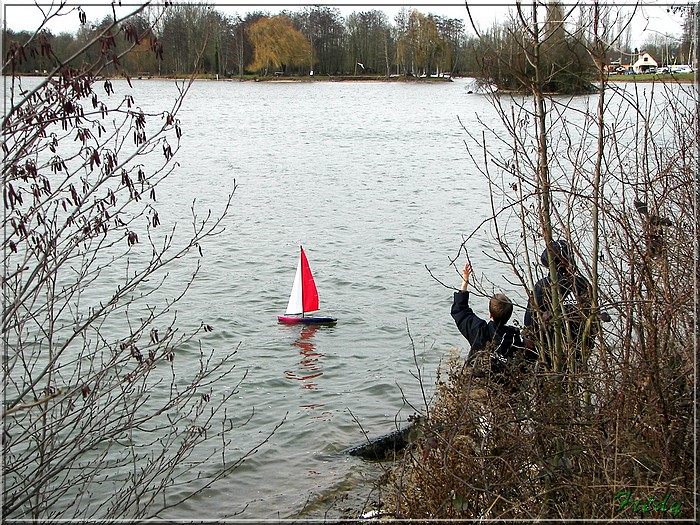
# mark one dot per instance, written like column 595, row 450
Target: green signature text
column 642, row 506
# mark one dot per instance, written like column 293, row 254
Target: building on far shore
column 637, row 62
column 644, row 62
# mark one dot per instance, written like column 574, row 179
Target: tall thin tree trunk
column 545, row 191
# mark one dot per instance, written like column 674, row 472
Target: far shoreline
column 683, row 78
column 270, row 78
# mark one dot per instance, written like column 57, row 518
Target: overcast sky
column 24, row 14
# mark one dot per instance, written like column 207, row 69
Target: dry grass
column 539, row 452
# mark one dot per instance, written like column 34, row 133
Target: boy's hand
column 466, row 273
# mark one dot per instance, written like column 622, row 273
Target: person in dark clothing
column 575, row 297
column 502, row 341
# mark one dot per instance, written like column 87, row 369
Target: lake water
column 374, row 180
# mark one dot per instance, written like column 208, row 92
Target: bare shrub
column 612, row 437
column 110, row 407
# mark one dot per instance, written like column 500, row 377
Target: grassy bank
column 676, row 77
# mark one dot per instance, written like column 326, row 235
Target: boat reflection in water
column 310, row 366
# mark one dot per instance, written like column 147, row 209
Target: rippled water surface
column 374, row 181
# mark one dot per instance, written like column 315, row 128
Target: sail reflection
column 310, row 366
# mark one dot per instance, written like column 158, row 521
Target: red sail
column 309, row 293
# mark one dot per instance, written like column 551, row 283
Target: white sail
column 295, row 305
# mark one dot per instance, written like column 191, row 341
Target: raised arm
column 466, row 273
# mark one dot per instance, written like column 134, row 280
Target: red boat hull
column 294, row 319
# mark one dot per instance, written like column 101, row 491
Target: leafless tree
column 605, row 420
column 110, row 407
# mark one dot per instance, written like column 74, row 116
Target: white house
column 644, row 62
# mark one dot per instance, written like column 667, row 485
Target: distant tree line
column 318, row 40
column 314, row 39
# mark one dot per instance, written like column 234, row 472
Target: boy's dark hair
column 500, row 308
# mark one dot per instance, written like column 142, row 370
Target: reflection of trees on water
column 310, row 365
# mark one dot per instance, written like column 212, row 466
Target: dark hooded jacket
column 501, row 340
column 574, row 291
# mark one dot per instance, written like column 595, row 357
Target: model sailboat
column 304, row 297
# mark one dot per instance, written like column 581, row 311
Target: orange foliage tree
column 278, row 44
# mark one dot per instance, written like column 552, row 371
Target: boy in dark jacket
column 503, row 341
